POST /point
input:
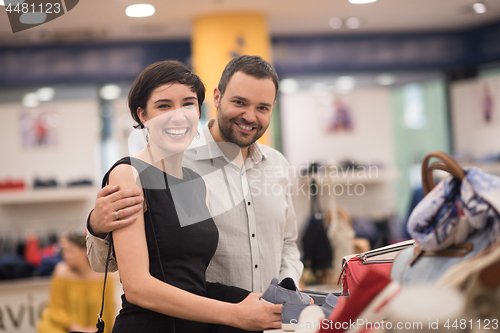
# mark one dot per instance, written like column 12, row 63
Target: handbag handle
column 450, row 165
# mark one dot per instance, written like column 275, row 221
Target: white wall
column 472, row 135
column 303, row 118
column 74, row 156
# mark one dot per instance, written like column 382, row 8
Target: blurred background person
column 76, row 291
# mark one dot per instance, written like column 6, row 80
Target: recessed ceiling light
column 335, row 23
column 361, row 1
column 319, row 89
column 353, row 23
column 479, row 7
column 385, row 79
column 45, row 94
column 30, row 100
column 140, row 10
column 288, row 86
column 345, row 83
column 110, row 92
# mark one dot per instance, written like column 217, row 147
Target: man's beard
column 229, row 134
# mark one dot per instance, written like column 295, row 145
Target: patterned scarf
column 453, row 210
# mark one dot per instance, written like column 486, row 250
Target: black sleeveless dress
column 187, row 239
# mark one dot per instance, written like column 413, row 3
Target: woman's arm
column 148, row 292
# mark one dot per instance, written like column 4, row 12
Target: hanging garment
column 318, row 252
column 32, row 252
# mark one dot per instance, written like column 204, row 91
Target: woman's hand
column 254, row 315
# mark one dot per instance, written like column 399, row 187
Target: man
column 249, row 186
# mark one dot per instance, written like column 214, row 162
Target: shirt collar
column 255, row 154
column 206, row 147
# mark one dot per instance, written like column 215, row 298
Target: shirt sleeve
column 291, row 266
column 97, row 252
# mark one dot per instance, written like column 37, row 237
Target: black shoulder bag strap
column 100, row 322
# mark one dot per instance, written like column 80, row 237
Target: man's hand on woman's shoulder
column 114, row 209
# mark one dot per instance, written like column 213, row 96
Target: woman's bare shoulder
column 124, row 175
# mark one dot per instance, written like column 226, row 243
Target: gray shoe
column 284, row 292
column 290, row 313
column 330, row 304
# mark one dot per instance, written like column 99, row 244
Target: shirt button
column 249, row 203
column 253, row 235
column 256, row 266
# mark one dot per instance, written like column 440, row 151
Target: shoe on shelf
column 284, row 292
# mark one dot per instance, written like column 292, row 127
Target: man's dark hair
column 158, row 74
column 251, row 65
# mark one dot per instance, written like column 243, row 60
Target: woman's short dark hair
column 158, row 74
column 251, row 65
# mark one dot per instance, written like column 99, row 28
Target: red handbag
column 355, row 267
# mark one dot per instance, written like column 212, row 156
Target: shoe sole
column 373, row 312
column 288, row 327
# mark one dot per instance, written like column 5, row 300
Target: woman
column 162, row 257
column 76, row 291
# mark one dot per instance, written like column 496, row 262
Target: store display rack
column 44, row 195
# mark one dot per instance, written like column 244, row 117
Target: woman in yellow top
column 76, row 292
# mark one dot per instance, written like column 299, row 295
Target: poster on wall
column 341, row 117
column 39, row 128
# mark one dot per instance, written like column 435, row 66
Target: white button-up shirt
column 252, row 208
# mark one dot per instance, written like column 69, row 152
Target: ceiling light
column 345, row 83
column 288, row 86
column 319, row 89
column 385, row 79
column 110, row 92
column 353, row 23
column 335, row 23
column 30, row 100
column 45, row 94
column 141, row 10
column 361, row 1
column 479, row 7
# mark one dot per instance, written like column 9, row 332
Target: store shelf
column 368, row 177
column 30, row 196
column 379, row 176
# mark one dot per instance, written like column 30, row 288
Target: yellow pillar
column 217, row 38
